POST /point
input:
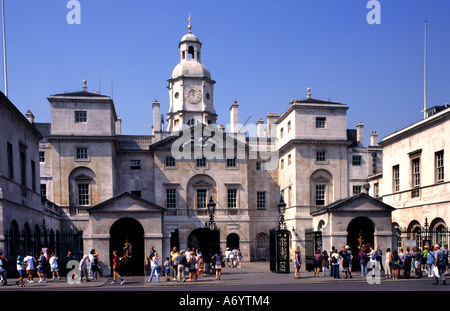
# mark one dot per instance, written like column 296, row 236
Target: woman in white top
column 388, row 263
column 155, row 268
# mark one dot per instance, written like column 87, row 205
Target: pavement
column 251, row 273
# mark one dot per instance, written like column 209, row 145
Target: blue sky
column 260, row 53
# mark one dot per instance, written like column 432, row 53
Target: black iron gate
column 60, row 243
column 313, row 242
column 279, row 251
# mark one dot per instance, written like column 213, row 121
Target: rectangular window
column 33, row 175
column 439, row 166
column 289, row 127
column 261, row 200
column 260, row 166
column 289, row 159
column 171, row 198
column 9, row 155
column 135, row 164
column 321, row 156
column 416, row 172
column 356, row 160
column 231, row 162
column 320, row 194
column 281, row 133
column 232, row 198
column 43, row 188
column 83, row 194
column 80, row 116
column 357, row 189
column 82, row 153
column 41, row 156
column 23, row 167
column 320, row 122
column 396, row 178
column 201, row 162
column 376, row 190
column 170, row 162
column 282, row 163
column 201, row 198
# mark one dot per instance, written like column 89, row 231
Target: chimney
column 84, row 86
column 118, row 126
column 156, row 125
column 260, row 128
column 272, row 117
column 360, row 134
column 29, row 115
column 374, row 139
column 234, row 117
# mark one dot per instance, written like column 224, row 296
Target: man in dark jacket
column 439, row 262
column 181, row 263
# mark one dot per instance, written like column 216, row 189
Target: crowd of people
column 433, row 262
column 174, row 266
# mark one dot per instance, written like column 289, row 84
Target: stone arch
column 233, row 240
column 82, row 177
column 321, row 180
column 200, row 187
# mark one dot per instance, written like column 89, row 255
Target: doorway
column 128, row 234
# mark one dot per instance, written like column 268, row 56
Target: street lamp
column 211, row 210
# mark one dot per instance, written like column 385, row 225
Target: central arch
column 128, row 230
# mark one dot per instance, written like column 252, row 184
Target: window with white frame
column 83, row 194
column 416, row 172
column 396, row 178
column 321, row 156
column 135, row 164
column 357, row 189
column 201, row 198
column 232, row 198
column 439, row 166
column 41, row 156
column 171, row 198
column 356, row 160
column 82, row 153
column 320, row 194
column 80, row 116
column 170, row 162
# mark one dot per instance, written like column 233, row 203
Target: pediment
column 126, row 203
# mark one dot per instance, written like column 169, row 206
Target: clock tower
column 190, row 87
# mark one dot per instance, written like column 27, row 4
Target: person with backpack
column 335, row 262
column 430, row 263
column 439, row 265
column 407, row 264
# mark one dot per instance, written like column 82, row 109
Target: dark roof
column 80, row 94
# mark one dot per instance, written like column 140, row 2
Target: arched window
column 191, row 52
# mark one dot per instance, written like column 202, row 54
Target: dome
column 191, row 68
column 190, row 37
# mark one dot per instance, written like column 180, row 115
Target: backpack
column 347, row 257
column 333, row 259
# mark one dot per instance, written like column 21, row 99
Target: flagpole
column 425, row 76
column 4, row 50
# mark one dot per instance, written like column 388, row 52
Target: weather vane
column 189, row 20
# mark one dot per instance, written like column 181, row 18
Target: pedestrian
column 297, row 262
column 346, row 261
column 152, row 252
column 42, row 268
column 396, row 264
column 325, row 263
column 192, row 262
column 446, row 258
column 407, row 264
column 154, row 263
column 84, row 267
column 363, row 262
column 54, row 266
column 218, row 257
column 388, row 263
column 146, row 266
column 439, row 265
column 227, row 257
column 68, row 259
column 239, row 258
column 430, row 263
column 317, row 263
column 200, row 266
column 181, row 265
column 335, row 263
column 21, row 269
column 372, row 263
column 93, row 264
column 331, row 253
column 3, row 262
column 417, row 262
column 116, row 269
column 173, row 255
column 424, row 259
column 167, row 269
column 30, row 261
column 379, row 258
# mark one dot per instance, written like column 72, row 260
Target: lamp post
column 211, row 225
column 282, row 210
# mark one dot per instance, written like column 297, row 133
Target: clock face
column 193, row 94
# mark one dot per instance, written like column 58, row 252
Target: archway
column 360, row 231
column 233, row 241
column 208, row 241
column 123, row 231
